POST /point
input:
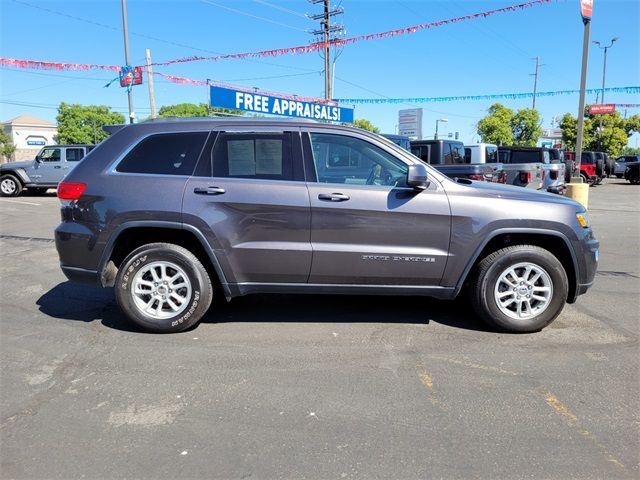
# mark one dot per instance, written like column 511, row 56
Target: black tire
column 483, row 286
column 38, row 190
column 586, row 180
column 149, row 257
column 10, row 186
column 635, row 180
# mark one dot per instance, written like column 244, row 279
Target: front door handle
column 57, row 166
column 333, row 197
column 209, row 190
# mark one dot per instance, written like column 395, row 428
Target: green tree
column 525, row 127
column 195, row 110
column 6, row 146
column 83, row 123
column 496, row 126
column 611, row 138
column 630, row 151
column 365, row 124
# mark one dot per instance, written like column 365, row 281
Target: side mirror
column 417, row 176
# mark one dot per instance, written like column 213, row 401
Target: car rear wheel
column 163, row 288
column 520, row 288
column 10, row 186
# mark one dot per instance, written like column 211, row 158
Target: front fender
column 18, row 172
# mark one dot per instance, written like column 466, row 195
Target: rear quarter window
column 165, row 154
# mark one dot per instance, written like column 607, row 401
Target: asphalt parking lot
column 302, row 387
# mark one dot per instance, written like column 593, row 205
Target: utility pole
column 326, row 30
column 125, row 31
column 535, row 80
column 152, row 96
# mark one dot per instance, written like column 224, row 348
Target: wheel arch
column 19, row 173
column 132, row 235
column 553, row 241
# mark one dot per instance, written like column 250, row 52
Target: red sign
column 602, row 109
column 130, row 76
column 586, row 8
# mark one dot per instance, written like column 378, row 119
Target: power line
column 408, row 104
column 246, row 14
column 282, row 9
column 149, row 37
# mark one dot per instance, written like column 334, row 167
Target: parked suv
column 46, row 171
column 168, row 211
column 621, row 163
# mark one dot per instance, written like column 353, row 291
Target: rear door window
column 266, row 156
column 165, row 154
column 74, row 154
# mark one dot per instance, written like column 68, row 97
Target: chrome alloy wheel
column 523, row 291
column 8, row 186
column 161, row 290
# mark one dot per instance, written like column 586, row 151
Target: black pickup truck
column 448, row 157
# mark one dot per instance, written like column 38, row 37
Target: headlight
column 583, row 219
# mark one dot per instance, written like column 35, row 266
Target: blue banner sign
column 258, row 103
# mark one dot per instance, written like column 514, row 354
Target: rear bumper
column 80, row 275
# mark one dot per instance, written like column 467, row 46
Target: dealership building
column 29, row 134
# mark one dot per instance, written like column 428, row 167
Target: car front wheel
column 10, row 186
column 520, row 288
column 163, row 288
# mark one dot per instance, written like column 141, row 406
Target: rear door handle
column 209, row 190
column 57, row 166
column 333, row 197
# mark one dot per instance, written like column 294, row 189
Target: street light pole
column 604, row 65
column 437, row 121
column 126, row 56
column 604, row 73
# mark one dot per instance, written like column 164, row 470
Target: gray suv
column 44, row 172
column 167, row 212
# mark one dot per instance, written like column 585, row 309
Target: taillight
column 526, row 177
column 476, row 177
column 554, row 175
column 71, row 190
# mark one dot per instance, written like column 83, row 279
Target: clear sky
column 482, row 56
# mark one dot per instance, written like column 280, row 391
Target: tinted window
column 587, row 158
column 50, row 155
column 74, row 154
column 524, row 156
column 467, row 155
column 165, row 154
column 422, row 152
column 457, row 153
column 447, row 155
column 491, row 154
column 253, row 155
column 345, row 159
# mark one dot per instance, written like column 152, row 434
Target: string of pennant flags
column 295, row 50
column 507, row 96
